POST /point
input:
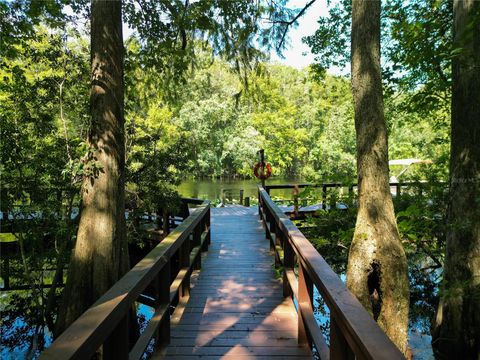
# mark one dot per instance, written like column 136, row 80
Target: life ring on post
column 262, row 172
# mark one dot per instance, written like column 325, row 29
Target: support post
column 197, row 240
column 184, row 263
column 339, row 348
column 162, row 336
column 207, row 222
column 305, row 295
column 262, row 161
column 324, row 196
column 350, row 194
column 116, row 345
column 260, row 205
column 288, row 264
column 6, row 273
column 296, row 191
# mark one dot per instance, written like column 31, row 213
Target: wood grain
column 236, row 308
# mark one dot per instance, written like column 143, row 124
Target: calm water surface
column 212, row 189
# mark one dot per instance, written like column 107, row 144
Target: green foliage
column 43, row 91
column 420, row 50
column 200, row 101
column 331, row 232
column 421, row 222
column 331, row 41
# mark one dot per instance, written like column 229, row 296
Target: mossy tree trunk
column 100, row 256
column 456, row 332
column 377, row 265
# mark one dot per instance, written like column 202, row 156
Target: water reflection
column 212, row 188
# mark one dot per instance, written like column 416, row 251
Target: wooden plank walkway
column 236, row 308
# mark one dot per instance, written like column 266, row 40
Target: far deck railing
column 166, row 271
column 353, row 332
column 397, row 186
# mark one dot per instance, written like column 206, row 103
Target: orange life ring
column 262, row 172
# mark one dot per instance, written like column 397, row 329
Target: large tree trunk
column 100, row 256
column 456, row 331
column 377, row 266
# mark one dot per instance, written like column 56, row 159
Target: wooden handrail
column 353, row 332
column 105, row 322
column 336, row 184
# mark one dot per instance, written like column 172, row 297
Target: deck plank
column 236, row 308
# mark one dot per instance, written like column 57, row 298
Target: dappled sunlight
column 236, row 308
column 238, row 350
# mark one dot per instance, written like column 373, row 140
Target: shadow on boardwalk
column 236, row 308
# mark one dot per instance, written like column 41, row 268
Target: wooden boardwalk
column 236, row 308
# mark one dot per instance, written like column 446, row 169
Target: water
column 212, row 189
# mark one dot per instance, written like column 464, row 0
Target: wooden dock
column 236, row 308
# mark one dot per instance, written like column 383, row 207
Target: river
column 212, row 189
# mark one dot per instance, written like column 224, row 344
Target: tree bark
column 377, row 265
column 456, row 330
column 100, row 256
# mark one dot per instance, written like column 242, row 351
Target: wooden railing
column 325, row 186
column 353, row 332
column 165, row 271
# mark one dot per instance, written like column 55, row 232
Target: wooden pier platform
column 236, row 309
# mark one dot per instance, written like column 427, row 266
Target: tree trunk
column 377, row 265
column 100, row 256
column 456, row 332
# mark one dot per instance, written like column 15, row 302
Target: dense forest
column 188, row 96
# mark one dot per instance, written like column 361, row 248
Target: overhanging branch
column 291, row 22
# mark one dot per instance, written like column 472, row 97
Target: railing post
column 197, row 240
column 162, row 336
column 305, row 296
column 206, row 227
column 399, row 189
column 350, row 194
column 241, row 197
column 276, row 240
column 116, row 345
column 295, row 205
column 260, row 205
column 6, row 273
column 273, row 230
column 267, row 223
column 208, row 224
column 324, row 196
column 184, row 263
column 288, row 264
column 339, row 348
